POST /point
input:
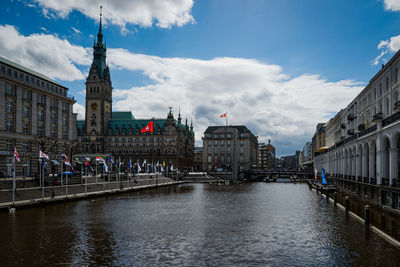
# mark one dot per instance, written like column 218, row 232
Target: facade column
column 379, row 164
column 358, row 161
column 393, row 164
column 372, row 161
column 364, row 172
column 18, row 110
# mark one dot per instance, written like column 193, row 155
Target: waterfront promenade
column 34, row 195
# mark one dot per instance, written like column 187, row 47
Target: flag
column 83, row 160
column 148, row 128
column 172, row 167
column 105, row 166
column 144, row 163
column 130, row 163
column 323, row 177
column 223, row 115
column 138, row 168
column 67, row 162
column 42, row 155
column 163, row 163
column 162, row 169
column 110, row 160
column 16, row 154
column 90, row 166
column 98, row 158
column 315, row 173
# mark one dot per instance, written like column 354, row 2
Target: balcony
column 389, row 120
column 395, row 183
column 351, row 117
column 343, row 126
column 377, row 117
column 361, row 127
column 366, row 180
column 372, row 180
column 385, row 181
column 359, row 179
column 350, row 131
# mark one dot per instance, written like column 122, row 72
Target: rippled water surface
column 194, row 225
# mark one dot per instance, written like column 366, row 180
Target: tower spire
column 179, row 116
column 100, row 34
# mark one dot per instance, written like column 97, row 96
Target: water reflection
column 193, row 225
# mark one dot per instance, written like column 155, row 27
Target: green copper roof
column 122, row 115
column 27, row 70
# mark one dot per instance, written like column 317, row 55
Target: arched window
column 396, row 75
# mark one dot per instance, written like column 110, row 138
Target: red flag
column 16, row 154
column 223, row 115
column 148, row 128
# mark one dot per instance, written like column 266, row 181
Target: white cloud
column 44, row 53
column 162, row 13
column 76, row 31
column 387, row 47
column 259, row 95
column 256, row 94
column 78, row 108
column 392, row 5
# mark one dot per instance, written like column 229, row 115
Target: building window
column 222, row 150
column 228, row 150
column 26, row 128
column 40, row 131
column 53, row 117
column 10, row 90
column 40, row 115
column 53, row 133
column 26, row 147
column 116, row 139
column 396, row 200
column 209, row 143
column 387, row 84
column 27, row 94
column 130, row 140
column 241, row 142
column 9, row 145
column 216, row 142
column 9, row 107
column 396, row 75
column 228, row 159
column 222, row 142
column 123, row 140
column 380, row 89
column 26, row 111
column 65, row 121
column 209, row 159
column 9, row 125
column 241, row 158
column 241, row 150
column 144, row 140
column 385, row 198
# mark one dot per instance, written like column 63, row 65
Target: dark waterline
column 194, row 225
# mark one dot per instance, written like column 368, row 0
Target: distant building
column 266, row 156
column 198, row 159
column 230, row 148
column 35, row 111
column 291, row 162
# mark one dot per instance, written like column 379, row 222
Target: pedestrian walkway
column 37, row 195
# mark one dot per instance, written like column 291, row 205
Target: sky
column 277, row 66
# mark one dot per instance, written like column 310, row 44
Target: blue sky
column 278, row 67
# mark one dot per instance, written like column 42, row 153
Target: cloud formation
column 145, row 13
column 259, row 95
column 392, row 5
column 44, row 53
column 271, row 103
column 387, row 47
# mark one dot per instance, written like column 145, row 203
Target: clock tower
column 98, row 91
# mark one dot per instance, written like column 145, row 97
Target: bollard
column 366, row 209
column 347, row 203
column 335, row 198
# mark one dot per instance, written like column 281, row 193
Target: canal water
column 250, row 224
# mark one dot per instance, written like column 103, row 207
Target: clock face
column 94, row 106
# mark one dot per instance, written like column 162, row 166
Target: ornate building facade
column 119, row 134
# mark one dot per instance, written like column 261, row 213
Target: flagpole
column 14, row 176
column 96, row 170
column 43, row 182
column 227, row 119
column 66, row 181
column 152, row 150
